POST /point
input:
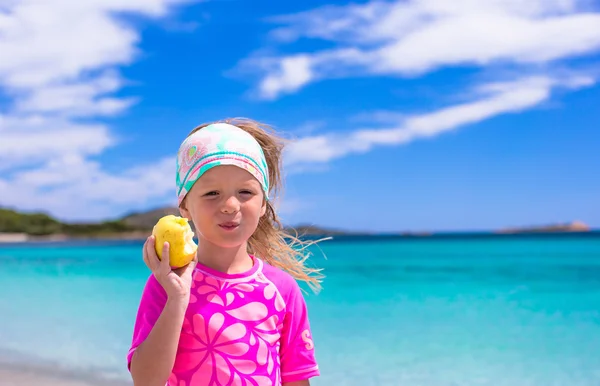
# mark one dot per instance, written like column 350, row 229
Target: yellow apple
column 178, row 233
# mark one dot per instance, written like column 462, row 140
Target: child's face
column 225, row 205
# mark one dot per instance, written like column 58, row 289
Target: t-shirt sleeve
column 297, row 347
column 151, row 305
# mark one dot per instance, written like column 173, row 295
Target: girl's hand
column 176, row 283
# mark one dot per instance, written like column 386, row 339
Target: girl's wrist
column 177, row 303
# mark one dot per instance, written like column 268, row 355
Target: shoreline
column 138, row 226
column 21, row 369
column 18, row 238
column 141, row 236
column 21, row 374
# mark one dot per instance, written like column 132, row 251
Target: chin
column 229, row 241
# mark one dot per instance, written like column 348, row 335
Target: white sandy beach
column 20, row 375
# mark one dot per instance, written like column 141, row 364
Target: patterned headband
column 219, row 144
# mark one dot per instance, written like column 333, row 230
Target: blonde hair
column 270, row 241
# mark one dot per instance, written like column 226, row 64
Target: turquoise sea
column 447, row 311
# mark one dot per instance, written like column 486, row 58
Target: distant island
column 18, row 226
column 575, row 226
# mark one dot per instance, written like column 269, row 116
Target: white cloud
column 490, row 100
column 67, row 48
column 77, row 188
column 45, row 42
column 82, row 98
column 408, row 38
column 34, row 139
column 59, row 69
column 291, row 73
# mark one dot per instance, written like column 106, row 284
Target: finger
column 153, row 262
column 145, row 252
column 145, row 257
column 165, row 265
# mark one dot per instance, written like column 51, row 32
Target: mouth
column 229, row 226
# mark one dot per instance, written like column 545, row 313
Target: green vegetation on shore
column 137, row 225
column 134, row 224
column 41, row 224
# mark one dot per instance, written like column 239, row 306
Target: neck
column 227, row 260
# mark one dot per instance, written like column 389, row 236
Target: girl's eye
column 246, row 192
column 211, row 194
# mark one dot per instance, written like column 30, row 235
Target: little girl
column 235, row 315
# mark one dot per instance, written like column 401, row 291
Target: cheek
column 202, row 209
column 255, row 207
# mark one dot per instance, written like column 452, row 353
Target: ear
column 184, row 212
column 263, row 209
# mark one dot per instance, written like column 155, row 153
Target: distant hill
column 302, row 230
column 133, row 225
column 42, row 224
column 146, row 220
column 575, row 226
column 37, row 223
column 139, row 224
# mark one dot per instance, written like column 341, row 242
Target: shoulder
column 286, row 284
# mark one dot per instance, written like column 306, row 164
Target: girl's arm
column 153, row 360
column 297, row 357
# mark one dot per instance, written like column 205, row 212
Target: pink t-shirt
column 244, row 329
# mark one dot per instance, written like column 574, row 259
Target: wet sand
column 22, row 375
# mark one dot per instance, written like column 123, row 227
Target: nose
column 231, row 205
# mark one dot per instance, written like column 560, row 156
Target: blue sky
column 406, row 116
